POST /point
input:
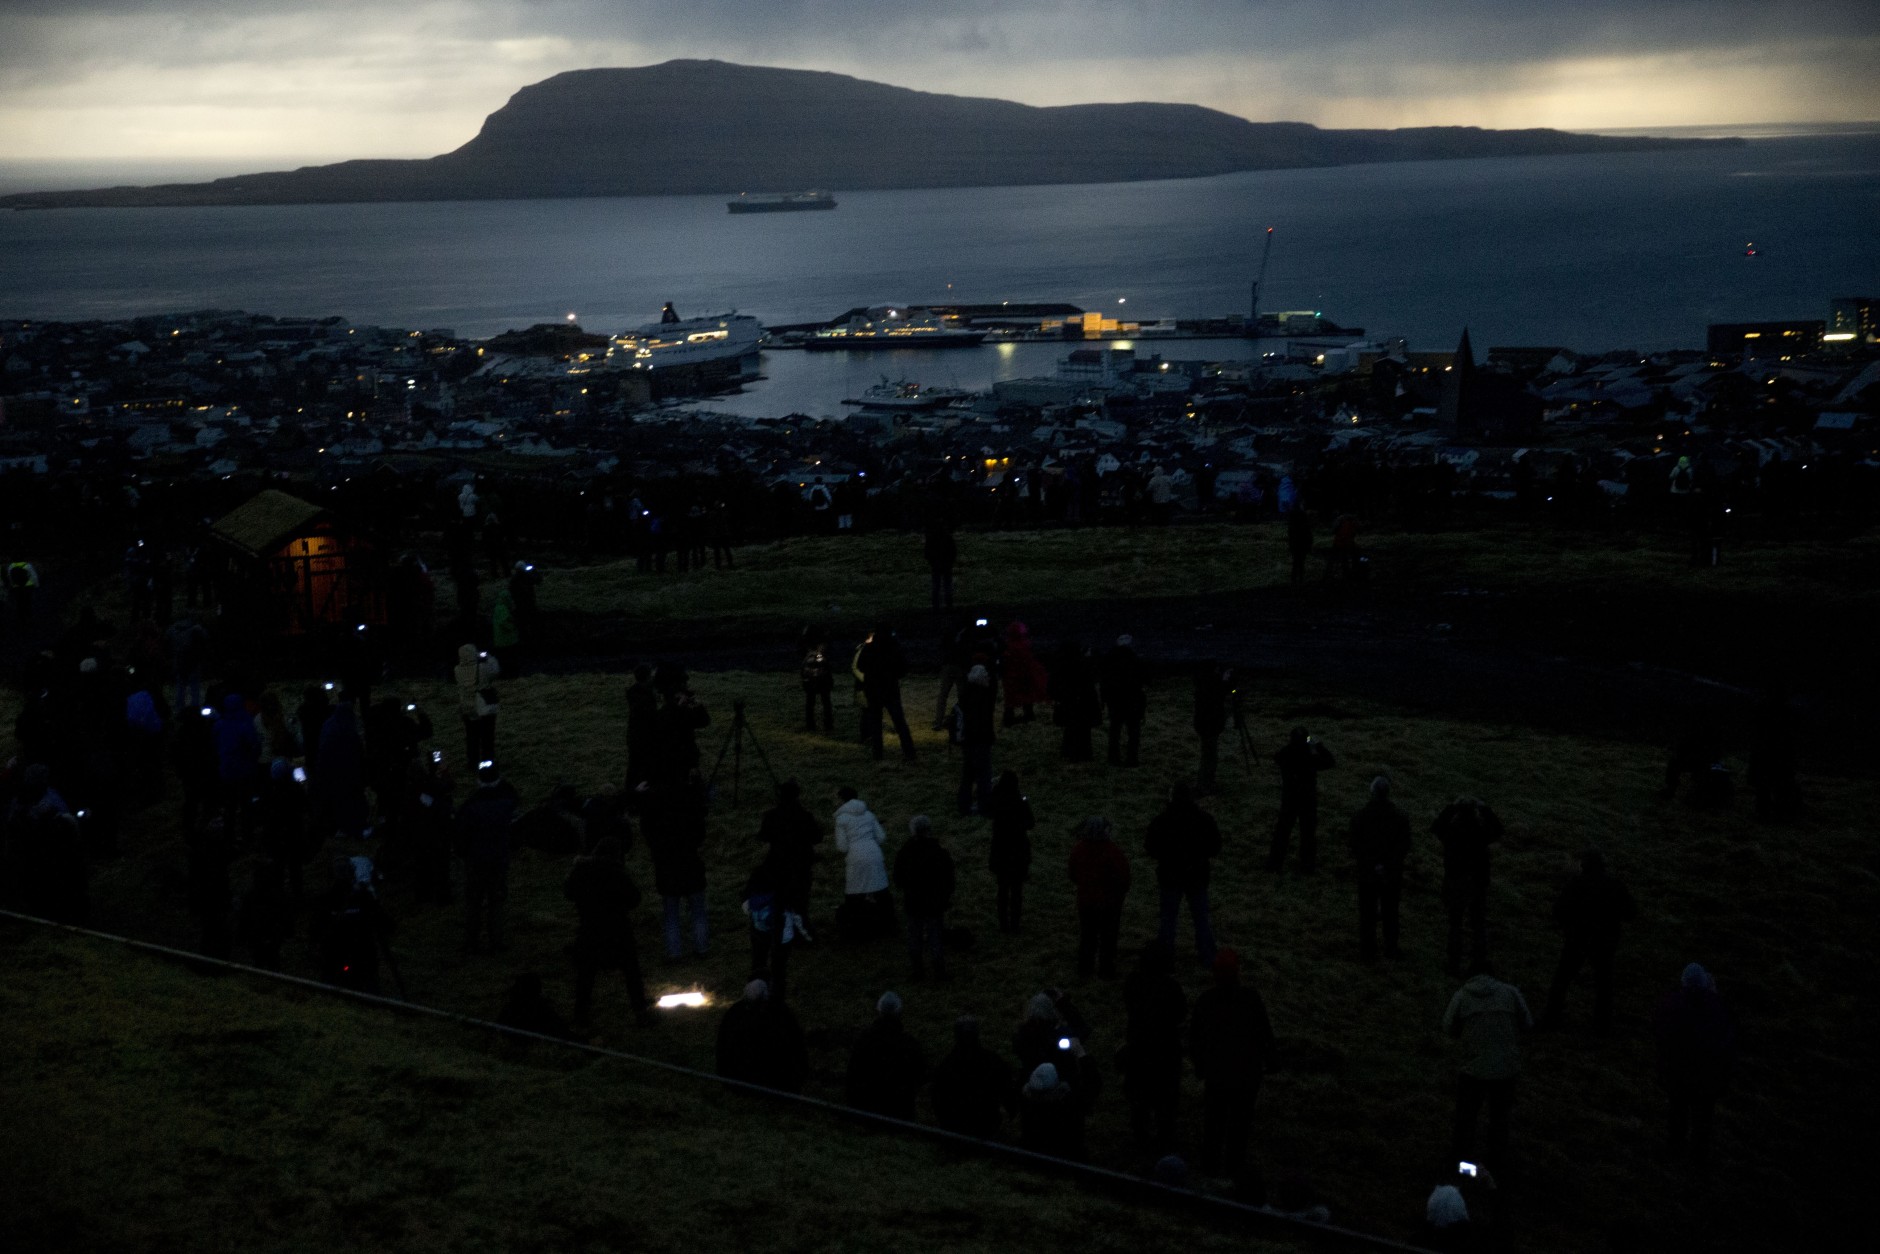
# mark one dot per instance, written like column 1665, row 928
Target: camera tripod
column 734, row 745
column 1248, row 754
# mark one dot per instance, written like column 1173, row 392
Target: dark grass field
column 1784, row 914
column 151, row 1107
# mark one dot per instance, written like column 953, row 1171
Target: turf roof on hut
column 266, row 521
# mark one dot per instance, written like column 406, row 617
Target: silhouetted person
column 1009, row 853
column 1590, row 912
column 1299, row 765
column 761, row 1042
column 642, row 734
column 1182, row 840
column 1696, row 1050
column 1152, row 1048
column 1051, row 1115
column 1380, row 841
column 48, row 851
column 1489, row 1017
column 975, row 740
column 1100, row 870
column 1077, row 706
column 887, row 1066
column 1230, row 1040
column 817, row 674
column 483, row 842
column 604, row 898
column 924, row 873
column 790, row 833
column 1215, row 703
column 1466, row 828
column 1124, row 684
column 882, row 665
column 973, row 1087
column 339, row 787
column 674, row 826
column 349, row 930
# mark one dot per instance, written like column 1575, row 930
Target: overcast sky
column 285, row 81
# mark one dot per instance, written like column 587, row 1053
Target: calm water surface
column 1591, row 252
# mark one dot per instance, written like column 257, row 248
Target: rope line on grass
column 1323, row 1234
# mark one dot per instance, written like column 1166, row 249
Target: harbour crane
column 1253, row 312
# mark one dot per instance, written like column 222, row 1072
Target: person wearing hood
column 237, row 759
column 1696, row 1042
column 923, row 871
column 483, row 842
column 1230, row 1040
column 1026, row 683
column 340, row 787
column 1009, row 853
column 1123, row 684
column 1051, row 1115
column 1380, row 842
column 1100, row 870
column 1488, row 1016
column 1590, row 911
column 975, row 732
column 972, row 1087
column 1299, row 765
column 761, row 1042
column 1182, row 839
column 887, row 1066
column 867, row 910
column 476, row 674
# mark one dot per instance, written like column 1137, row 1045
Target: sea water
column 1591, row 252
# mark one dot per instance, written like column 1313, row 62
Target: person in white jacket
column 867, row 909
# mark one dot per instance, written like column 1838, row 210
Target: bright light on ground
column 670, row 1000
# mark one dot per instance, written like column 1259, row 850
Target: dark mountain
column 707, row 126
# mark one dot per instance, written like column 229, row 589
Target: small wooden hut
column 294, row 570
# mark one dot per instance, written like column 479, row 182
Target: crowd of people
column 325, row 806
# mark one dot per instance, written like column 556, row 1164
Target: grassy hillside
column 1784, row 915
column 152, row 1108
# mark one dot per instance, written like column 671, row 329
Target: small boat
column 905, row 394
column 780, row 202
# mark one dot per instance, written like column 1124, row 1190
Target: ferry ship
column 780, row 202
column 888, row 327
column 722, row 343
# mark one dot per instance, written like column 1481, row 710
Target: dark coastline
column 574, row 135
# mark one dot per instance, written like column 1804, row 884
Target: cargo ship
column 780, row 202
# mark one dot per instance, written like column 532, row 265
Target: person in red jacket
column 1100, row 870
